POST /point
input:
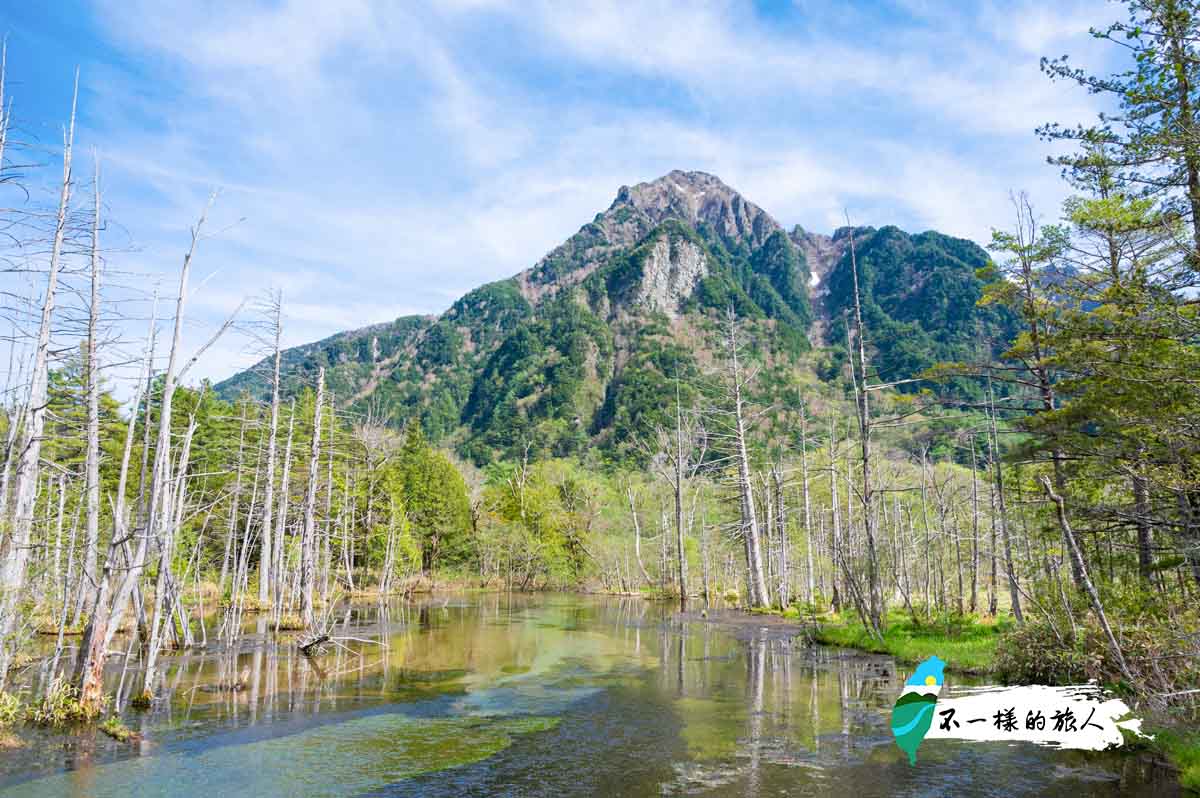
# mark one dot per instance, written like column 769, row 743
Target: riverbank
column 968, row 645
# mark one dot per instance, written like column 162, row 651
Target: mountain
column 586, row 348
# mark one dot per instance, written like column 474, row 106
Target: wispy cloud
column 380, row 158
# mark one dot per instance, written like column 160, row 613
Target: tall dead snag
column 777, row 483
column 759, row 596
column 878, row 616
column 678, row 456
column 808, row 536
column 835, row 522
column 264, row 563
column 98, row 635
column 15, row 550
column 309, row 535
column 1014, row 590
column 230, row 556
column 281, row 515
column 159, row 517
column 631, row 494
column 87, row 595
column 974, row 528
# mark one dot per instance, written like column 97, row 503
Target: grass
column 114, row 728
column 291, row 623
column 1183, row 749
column 11, row 709
column 968, row 645
column 59, row 707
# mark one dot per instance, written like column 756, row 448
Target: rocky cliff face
column 670, row 273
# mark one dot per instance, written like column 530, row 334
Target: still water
column 541, row 696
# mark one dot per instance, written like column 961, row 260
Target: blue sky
column 379, row 158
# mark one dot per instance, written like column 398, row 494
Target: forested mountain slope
column 584, row 348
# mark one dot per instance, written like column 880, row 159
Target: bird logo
column 912, row 714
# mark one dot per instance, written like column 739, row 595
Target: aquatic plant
column 11, row 709
column 60, row 706
column 114, row 728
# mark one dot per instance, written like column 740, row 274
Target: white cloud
column 379, row 159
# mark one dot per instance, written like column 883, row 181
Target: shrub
column 1159, row 650
column 1033, row 654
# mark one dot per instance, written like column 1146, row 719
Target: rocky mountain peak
column 698, row 198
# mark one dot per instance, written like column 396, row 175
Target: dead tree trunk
column 15, row 552
column 92, row 456
column 98, row 634
column 309, row 536
column 808, row 536
column 874, row 595
column 159, row 516
column 759, row 597
column 1013, row 587
column 231, row 527
column 781, row 533
column 974, row 529
column 1089, row 588
column 265, row 561
column 281, row 518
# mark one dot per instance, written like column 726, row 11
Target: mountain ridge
column 569, row 352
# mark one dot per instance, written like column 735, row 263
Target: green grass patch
column 966, row 644
column 114, row 728
column 1183, row 749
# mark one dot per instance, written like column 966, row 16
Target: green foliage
column 539, row 522
column 60, row 706
column 542, row 384
column 435, row 503
column 642, row 396
column 1182, row 747
column 966, row 644
column 11, row 708
column 920, row 299
column 114, row 728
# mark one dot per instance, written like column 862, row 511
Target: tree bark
column 15, row 552
column 266, row 558
column 1089, row 588
column 759, row 597
column 309, row 535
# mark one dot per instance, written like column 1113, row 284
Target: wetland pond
column 540, row 695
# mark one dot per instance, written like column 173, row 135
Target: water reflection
column 537, row 695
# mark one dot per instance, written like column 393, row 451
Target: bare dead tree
column 309, row 535
column 265, row 560
column 15, row 551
